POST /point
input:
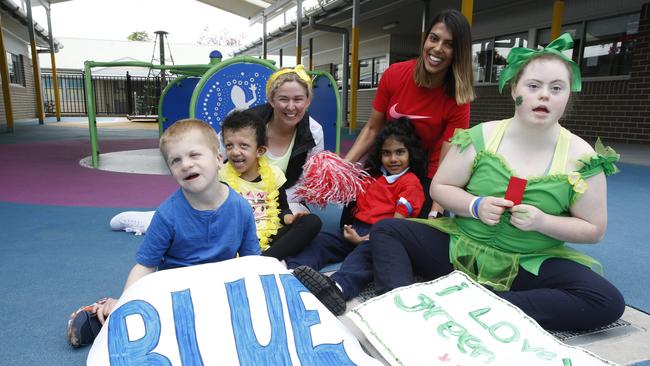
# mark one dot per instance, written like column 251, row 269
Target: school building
column 18, row 85
column 612, row 47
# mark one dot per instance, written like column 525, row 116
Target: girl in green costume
column 517, row 250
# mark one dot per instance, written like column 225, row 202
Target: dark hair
column 238, row 120
column 459, row 80
column 402, row 131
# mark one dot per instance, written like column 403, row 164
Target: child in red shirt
column 396, row 162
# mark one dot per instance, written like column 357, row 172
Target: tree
column 141, row 36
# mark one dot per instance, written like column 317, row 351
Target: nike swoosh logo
column 394, row 114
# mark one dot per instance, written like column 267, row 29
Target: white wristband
column 471, row 206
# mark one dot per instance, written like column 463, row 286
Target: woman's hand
column 352, row 236
column 527, row 217
column 491, row 208
column 290, row 219
column 103, row 308
column 436, row 211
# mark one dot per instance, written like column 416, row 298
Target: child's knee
column 385, row 226
column 312, row 221
column 615, row 304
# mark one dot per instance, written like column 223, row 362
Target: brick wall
column 615, row 110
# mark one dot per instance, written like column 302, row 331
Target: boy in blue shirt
column 204, row 221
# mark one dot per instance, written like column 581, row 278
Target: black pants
column 356, row 270
column 564, row 296
column 428, row 202
column 292, row 239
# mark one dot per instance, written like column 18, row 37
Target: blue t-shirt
column 180, row 235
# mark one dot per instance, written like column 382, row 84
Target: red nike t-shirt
column 434, row 116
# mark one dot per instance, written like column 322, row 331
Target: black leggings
column 564, row 296
column 292, row 239
column 428, row 201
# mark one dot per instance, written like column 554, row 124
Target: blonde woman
column 293, row 135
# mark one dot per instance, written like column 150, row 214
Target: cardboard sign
column 454, row 321
column 244, row 311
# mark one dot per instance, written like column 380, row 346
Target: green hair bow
column 519, row 55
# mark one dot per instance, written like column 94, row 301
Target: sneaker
column 132, row 221
column 83, row 326
column 323, row 287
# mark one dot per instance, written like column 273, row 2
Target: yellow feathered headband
column 298, row 70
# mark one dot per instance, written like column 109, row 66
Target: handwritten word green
column 466, row 342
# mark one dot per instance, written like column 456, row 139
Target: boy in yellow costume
column 281, row 232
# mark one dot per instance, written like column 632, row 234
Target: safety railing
column 114, row 95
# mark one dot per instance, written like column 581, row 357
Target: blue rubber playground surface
column 58, row 251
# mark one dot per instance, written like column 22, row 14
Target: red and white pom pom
column 327, row 178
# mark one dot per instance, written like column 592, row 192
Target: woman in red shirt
column 433, row 91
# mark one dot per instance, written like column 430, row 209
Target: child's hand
column 103, row 309
column 527, row 217
column 290, row 219
column 352, row 236
column 491, row 208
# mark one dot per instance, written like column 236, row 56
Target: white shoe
column 135, row 222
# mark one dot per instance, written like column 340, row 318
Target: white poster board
column 245, row 311
column 454, row 321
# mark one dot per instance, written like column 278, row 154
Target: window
column 365, row 73
column 338, row 72
column 502, row 47
column 609, row 46
column 575, row 30
column 370, row 70
column 602, row 47
column 16, row 69
column 381, row 64
column 489, row 55
column 482, row 60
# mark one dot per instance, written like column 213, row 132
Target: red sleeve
column 384, row 92
column 458, row 117
column 402, row 210
column 411, row 190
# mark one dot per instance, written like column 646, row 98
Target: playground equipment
column 148, row 100
column 209, row 92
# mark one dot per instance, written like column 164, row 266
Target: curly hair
column 402, row 131
column 239, row 120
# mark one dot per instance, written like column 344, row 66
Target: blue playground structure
column 174, row 100
column 209, row 92
column 235, row 84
